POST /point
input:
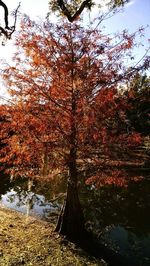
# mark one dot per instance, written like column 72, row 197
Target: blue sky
column 135, row 14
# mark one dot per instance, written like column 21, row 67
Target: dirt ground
column 30, row 241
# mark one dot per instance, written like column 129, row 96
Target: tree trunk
column 71, row 219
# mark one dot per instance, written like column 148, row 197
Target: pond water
column 30, row 198
column 30, row 203
column 119, row 217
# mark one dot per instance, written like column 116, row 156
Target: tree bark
column 71, row 219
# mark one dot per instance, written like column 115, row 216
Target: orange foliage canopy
column 63, row 88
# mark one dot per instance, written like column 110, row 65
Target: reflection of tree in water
column 138, row 207
column 120, row 218
column 40, row 197
column 54, row 192
column 23, row 196
column 128, row 207
column 54, row 189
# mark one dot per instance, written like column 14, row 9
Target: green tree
column 139, row 99
column 73, row 9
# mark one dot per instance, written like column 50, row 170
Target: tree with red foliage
column 64, row 88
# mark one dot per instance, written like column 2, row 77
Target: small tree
column 63, row 87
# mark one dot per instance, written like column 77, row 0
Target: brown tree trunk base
column 71, row 225
column 71, row 220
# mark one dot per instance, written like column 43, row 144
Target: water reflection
column 120, row 217
column 23, row 196
column 135, row 249
column 29, row 203
column 128, row 207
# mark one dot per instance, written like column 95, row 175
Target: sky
column 135, row 14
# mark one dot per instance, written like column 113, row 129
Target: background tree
column 139, row 98
column 63, row 88
column 73, row 9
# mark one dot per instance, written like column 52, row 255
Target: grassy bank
column 32, row 242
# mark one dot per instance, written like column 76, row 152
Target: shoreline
column 31, row 241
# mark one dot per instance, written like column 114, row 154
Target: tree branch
column 5, row 14
column 67, row 13
column 8, row 31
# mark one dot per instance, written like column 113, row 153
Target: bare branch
column 5, row 14
column 8, row 31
